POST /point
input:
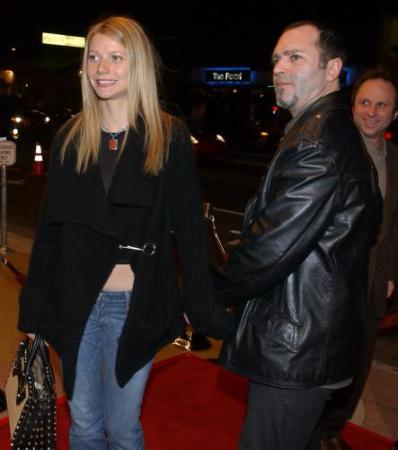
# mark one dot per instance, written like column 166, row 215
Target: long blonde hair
column 142, row 93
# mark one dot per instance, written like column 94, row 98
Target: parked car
column 208, row 144
column 19, row 121
column 270, row 122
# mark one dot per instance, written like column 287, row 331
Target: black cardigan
column 76, row 248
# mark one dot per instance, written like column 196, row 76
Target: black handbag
column 31, row 399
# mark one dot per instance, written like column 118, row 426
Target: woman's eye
column 117, row 58
column 92, row 58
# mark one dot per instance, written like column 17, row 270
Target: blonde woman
column 102, row 286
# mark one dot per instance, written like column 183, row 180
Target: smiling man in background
column 374, row 107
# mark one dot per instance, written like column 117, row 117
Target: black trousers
column 344, row 401
column 283, row 419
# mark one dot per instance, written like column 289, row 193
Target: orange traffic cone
column 37, row 168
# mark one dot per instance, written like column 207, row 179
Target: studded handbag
column 31, row 399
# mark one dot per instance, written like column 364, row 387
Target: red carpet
column 389, row 320
column 192, row 404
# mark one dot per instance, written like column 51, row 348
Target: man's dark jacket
column 76, row 248
column 383, row 264
column 300, row 269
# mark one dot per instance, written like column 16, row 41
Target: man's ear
column 395, row 116
column 333, row 69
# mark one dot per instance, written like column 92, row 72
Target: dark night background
column 198, row 33
column 188, row 36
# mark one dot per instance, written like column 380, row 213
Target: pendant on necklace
column 113, row 144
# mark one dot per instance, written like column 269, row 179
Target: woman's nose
column 103, row 66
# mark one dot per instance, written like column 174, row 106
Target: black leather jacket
column 299, row 272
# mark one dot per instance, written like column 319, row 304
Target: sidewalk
column 377, row 410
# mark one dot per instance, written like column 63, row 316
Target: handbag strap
column 38, row 345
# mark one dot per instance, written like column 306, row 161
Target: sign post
column 7, row 158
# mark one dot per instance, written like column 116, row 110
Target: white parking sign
column 8, row 154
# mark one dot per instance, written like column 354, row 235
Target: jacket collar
column 333, row 101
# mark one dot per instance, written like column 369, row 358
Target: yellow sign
column 63, row 40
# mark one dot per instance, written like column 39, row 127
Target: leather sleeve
column 299, row 195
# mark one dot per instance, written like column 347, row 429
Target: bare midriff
column 120, row 279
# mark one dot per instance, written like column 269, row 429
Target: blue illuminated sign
column 349, row 74
column 227, row 76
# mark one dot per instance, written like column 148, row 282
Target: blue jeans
column 104, row 415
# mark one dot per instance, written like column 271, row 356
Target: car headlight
column 220, row 138
column 47, row 119
column 16, row 119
